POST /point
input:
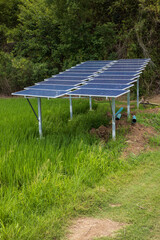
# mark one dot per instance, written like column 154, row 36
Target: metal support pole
column 71, row 111
column 113, row 119
column 128, row 105
column 138, row 93
column 90, row 103
column 39, row 117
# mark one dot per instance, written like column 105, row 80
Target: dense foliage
column 41, row 37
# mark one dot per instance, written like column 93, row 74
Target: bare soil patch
column 90, row 228
column 138, row 139
column 104, row 132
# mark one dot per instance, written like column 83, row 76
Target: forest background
column 39, row 38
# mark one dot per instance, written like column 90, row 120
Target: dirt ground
column 104, row 132
column 137, row 135
column 91, row 228
column 138, row 139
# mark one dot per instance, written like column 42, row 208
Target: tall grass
column 42, row 182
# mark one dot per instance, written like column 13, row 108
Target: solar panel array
column 91, row 78
column 114, row 80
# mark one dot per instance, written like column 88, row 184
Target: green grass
column 44, row 183
column 138, row 193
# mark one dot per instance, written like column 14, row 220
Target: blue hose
column 134, row 120
column 119, row 111
column 118, row 116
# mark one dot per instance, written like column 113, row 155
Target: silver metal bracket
column 32, row 109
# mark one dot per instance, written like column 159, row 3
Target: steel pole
column 138, row 93
column 128, row 105
column 113, row 119
column 40, row 117
column 90, row 103
column 71, row 111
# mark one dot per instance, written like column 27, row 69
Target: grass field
column 44, row 183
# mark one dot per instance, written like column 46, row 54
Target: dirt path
column 91, row 228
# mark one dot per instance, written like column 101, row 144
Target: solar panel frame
column 52, row 87
column 78, row 79
column 98, row 93
column 111, row 69
column 113, row 81
column 74, row 78
column 135, row 68
column 106, row 86
column 132, row 63
column 40, row 93
column 79, row 71
column 115, row 78
column 99, row 61
column 87, row 68
column 98, row 64
column 74, row 83
column 108, row 73
column 74, row 74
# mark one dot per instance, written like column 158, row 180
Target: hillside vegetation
column 43, row 37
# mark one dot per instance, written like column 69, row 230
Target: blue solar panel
column 73, row 83
column 40, row 93
column 67, row 73
column 98, row 92
column 114, row 75
column 99, row 61
column 100, row 81
column 68, row 78
column 113, row 69
column 119, row 73
column 81, row 67
column 106, row 86
column 51, row 87
column 94, row 64
column 134, row 66
column 79, row 71
column 86, row 69
column 100, row 77
column 78, row 79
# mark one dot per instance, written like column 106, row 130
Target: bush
column 18, row 72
